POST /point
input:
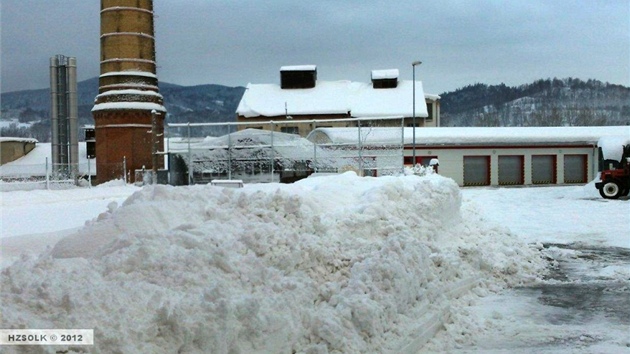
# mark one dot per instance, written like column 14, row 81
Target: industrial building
column 12, row 149
column 500, row 156
column 300, row 98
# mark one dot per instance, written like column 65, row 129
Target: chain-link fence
column 114, row 171
column 45, row 175
column 284, row 151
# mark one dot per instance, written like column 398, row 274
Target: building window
column 290, row 130
column 430, row 110
column 575, row 168
column 511, row 170
column 420, row 160
column 426, row 160
column 476, row 170
column 544, row 169
column 369, row 172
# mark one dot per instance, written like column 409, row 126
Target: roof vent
column 298, row 77
column 383, row 79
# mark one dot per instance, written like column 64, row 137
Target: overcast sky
column 234, row 42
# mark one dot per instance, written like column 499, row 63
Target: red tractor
column 614, row 167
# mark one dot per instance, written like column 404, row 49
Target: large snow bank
column 329, row 264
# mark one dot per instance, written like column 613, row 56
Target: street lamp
column 413, row 67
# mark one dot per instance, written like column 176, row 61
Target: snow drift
column 326, row 265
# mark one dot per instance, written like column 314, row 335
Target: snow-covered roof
column 333, row 97
column 431, row 97
column 469, row 135
column 283, row 143
column 254, row 137
column 17, row 140
column 211, row 153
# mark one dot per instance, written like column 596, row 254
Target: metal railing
column 46, row 175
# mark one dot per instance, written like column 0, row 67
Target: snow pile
column 612, row 146
column 328, row 264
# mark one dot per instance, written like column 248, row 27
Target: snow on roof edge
column 385, row 74
column 18, row 140
column 148, row 106
column 130, row 92
column 474, row 135
column 298, row 68
column 130, row 73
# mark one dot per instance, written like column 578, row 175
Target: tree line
column 545, row 102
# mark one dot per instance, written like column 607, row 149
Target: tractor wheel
column 610, row 190
column 625, row 192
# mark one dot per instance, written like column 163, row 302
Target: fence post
column 125, row 169
column 47, row 175
column 360, row 148
column 402, row 144
column 167, row 137
column 229, row 152
column 190, row 166
column 89, row 174
column 273, row 157
column 154, row 146
column 314, row 148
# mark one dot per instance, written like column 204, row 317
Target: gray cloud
column 235, row 42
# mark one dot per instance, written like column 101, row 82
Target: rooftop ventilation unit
column 298, row 77
column 383, row 79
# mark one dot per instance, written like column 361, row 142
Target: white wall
column 452, row 160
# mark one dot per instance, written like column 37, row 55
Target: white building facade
column 494, row 156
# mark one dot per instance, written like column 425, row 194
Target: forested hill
column 550, row 102
column 30, row 110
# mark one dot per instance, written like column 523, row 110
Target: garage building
column 497, row 156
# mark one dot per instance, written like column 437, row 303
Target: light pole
column 413, row 67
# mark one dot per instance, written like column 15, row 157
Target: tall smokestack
column 128, row 89
column 64, row 114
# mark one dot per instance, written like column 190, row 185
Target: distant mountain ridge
column 202, row 103
column 545, row 102
column 548, row 102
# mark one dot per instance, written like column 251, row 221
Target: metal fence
column 46, row 175
column 283, row 151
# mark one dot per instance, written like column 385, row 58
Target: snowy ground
column 329, row 264
column 583, row 304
